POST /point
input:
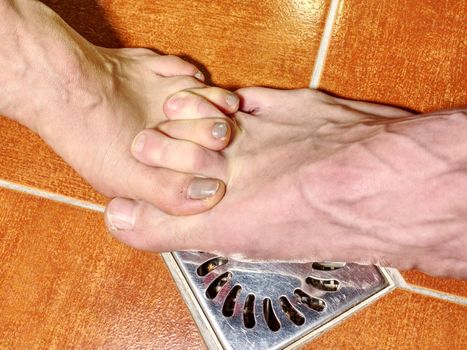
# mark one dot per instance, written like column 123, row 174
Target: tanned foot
column 88, row 103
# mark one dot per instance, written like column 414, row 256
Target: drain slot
column 327, row 266
column 211, row 265
column 327, row 285
column 291, row 312
column 312, row 302
column 269, row 316
column 269, row 306
column 229, row 303
column 216, row 285
column 249, row 312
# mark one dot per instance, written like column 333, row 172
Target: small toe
column 226, row 101
column 169, row 66
column 211, row 133
column 173, row 192
column 188, row 105
column 153, row 148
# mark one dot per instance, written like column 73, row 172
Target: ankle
column 45, row 79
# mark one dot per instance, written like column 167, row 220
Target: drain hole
column 249, row 311
column 291, row 312
column 210, row 265
column 269, row 316
column 230, row 301
column 216, row 285
column 327, row 266
column 326, row 285
column 312, row 302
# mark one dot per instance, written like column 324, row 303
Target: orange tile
column 66, row 284
column 452, row 286
column 405, row 53
column 27, row 160
column 240, row 43
column 400, row 321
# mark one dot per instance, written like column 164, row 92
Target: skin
column 88, row 103
column 313, row 177
column 309, row 176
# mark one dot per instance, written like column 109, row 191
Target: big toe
column 143, row 226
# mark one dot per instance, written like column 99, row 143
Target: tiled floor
column 400, row 321
column 405, row 53
column 65, row 284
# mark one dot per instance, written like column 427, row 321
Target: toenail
column 199, row 75
column 174, row 103
column 121, row 215
column 202, row 188
column 219, row 130
column 138, row 143
column 232, row 100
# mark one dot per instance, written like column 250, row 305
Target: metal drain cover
column 243, row 305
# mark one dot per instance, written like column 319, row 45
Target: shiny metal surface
column 247, row 305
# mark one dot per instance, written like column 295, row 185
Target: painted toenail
column 121, row 215
column 219, row 130
column 202, row 188
column 232, row 100
column 199, row 75
column 138, row 143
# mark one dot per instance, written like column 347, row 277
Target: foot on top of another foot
column 311, row 176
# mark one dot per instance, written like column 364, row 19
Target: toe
column 173, row 192
column 155, row 149
column 211, row 133
column 223, row 99
column 168, row 66
column 206, row 102
column 144, row 227
column 187, row 105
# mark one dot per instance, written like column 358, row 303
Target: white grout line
column 324, row 44
column 52, row 196
column 436, row 294
column 401, row 283
column 396, row 277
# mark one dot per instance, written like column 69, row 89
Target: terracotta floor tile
column 66, row 284
column 240, row 43
column 400, row 321
column 406, row 53
column 27, row 160
column 452, row 286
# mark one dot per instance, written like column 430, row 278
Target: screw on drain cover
column 273, row 305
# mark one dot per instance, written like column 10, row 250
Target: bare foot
column 88, row 103
column 313, row 177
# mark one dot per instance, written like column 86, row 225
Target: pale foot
column 313, row 177
column 88, row 103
